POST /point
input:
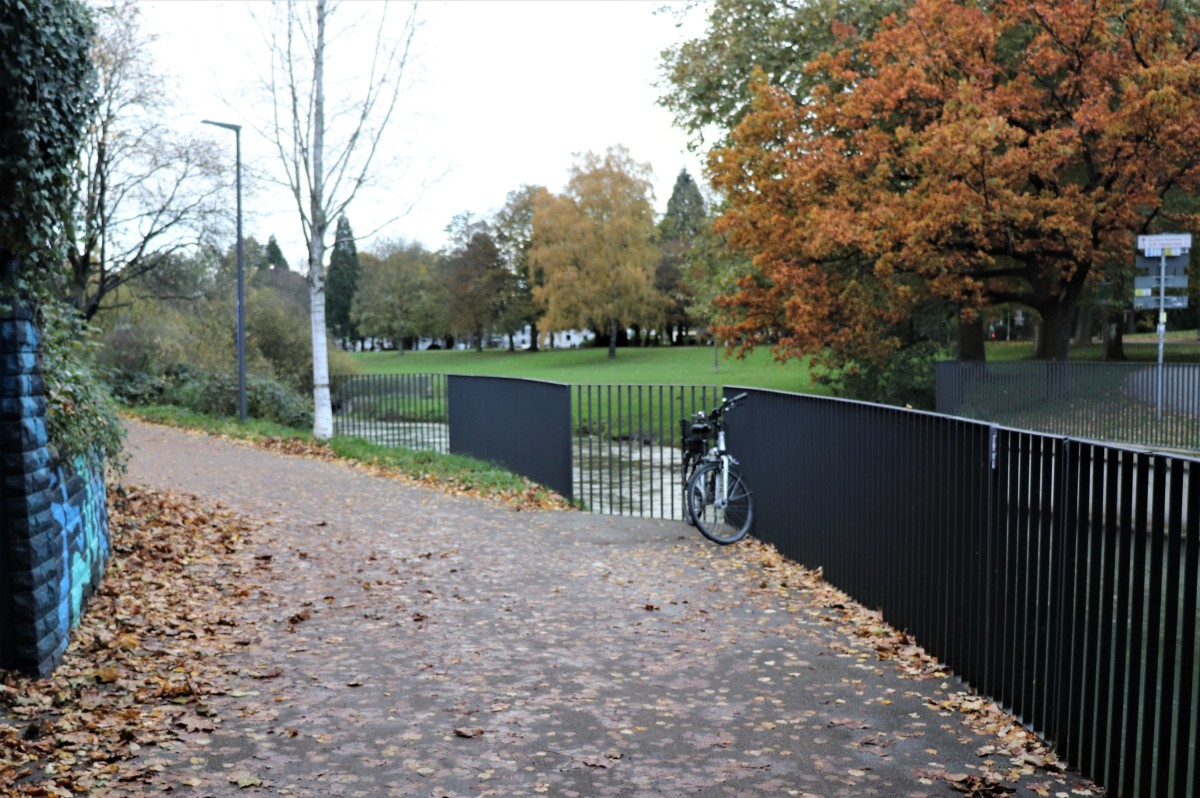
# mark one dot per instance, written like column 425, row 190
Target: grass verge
column 449, row 473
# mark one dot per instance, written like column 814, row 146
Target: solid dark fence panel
column 523, row 425
column 1096, row 401
column 1185, row 760
column 403, row 410
column 627, row 446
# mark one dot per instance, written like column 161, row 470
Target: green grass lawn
column 1181, row 347
column 664, row 365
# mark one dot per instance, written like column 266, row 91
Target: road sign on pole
column 1152, row 282
column 1168, row 302
column 1176, row 264
column 1163, row 247
column 1182, row 241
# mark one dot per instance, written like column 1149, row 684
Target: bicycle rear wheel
column 721, row 522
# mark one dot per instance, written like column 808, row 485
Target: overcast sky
column 501, row 93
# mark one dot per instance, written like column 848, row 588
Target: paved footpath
column 422, row 644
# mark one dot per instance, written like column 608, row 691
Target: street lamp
column 241, row 274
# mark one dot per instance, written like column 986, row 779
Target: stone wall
column 53, row 516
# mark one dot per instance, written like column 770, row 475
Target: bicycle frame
column 718, row 452
column 711, row 476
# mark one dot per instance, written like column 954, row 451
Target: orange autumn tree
column 971, row 153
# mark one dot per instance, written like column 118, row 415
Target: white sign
column 1165, row 241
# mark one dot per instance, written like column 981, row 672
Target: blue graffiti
column 82, row 522
column 59, row 558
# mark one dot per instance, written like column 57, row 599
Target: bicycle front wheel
column 721, row 519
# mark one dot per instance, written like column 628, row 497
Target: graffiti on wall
column 80, row 512
column 54, row 538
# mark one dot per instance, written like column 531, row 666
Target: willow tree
column 327, row 151
column 595, row 246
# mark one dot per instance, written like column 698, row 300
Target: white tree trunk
column 298, row 132
column 322, row 408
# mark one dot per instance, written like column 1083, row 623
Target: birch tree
column 327, row 152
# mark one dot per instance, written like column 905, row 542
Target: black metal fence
column 524, row 425
column 626, row 446
column 1098, row 401
column 1056, row 576
column 622, row 439
column 405, row 410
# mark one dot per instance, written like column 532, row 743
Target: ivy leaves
column 47, row 83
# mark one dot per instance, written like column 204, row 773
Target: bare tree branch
column 144, row 191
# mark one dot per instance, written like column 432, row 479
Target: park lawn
column 1181, row 347
column 654, row 365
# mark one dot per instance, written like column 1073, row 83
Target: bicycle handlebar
column 726, row 404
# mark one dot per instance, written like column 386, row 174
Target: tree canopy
column 513, row 228
column 595, row 244
column 46, row 86
column 974, row 153
column 397, row 297
column 478, row 286
column 144, row 191
column 706, row 81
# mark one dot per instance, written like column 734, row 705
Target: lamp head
column 226, row 125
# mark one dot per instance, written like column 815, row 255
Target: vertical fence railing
column 1057, row 576
column 407, row 410
column 1115, row 402
column 626, row 446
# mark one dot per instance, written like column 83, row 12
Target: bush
column 138, row 387
column 217, row 394
column 213, row 393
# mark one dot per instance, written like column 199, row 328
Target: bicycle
column 716, row 498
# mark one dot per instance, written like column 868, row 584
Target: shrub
column 217, row 394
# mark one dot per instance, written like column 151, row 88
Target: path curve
column 454, row 647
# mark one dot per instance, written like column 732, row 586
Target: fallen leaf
column 243, row 779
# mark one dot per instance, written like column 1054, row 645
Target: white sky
column 503, row 93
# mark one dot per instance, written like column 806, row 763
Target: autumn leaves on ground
column 146, row 680
column 146, row 657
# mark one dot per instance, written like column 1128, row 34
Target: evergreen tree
column 686, row 216
column 275, row 258
column 342, row 281
column 686, row 213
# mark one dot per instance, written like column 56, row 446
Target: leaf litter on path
column 145, row 658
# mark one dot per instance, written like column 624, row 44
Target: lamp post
column 241, row 274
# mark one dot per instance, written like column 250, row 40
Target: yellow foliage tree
column 595, row 244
